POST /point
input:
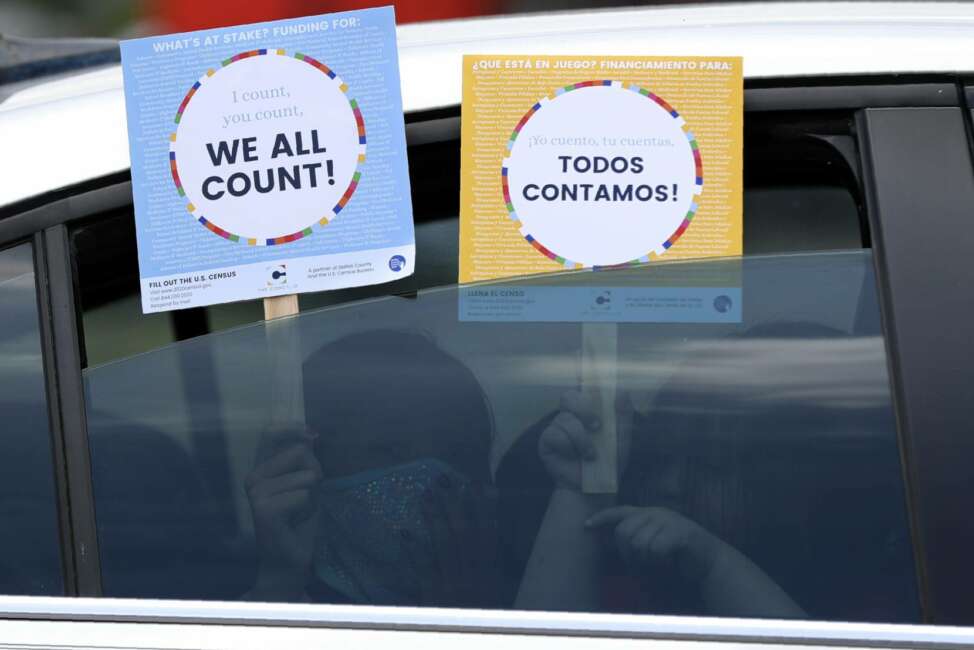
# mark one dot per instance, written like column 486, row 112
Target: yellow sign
column 572, row 162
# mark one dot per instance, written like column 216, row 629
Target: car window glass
column 30, row 561
column 436, row 460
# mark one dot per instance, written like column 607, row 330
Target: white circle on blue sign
column 267, row 147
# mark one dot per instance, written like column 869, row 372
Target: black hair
column 429, row 403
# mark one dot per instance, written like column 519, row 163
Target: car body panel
column 46, row 151
column 529, row 629
column 93, row 636
column 61, row 133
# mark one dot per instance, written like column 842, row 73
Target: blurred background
column 128, row 18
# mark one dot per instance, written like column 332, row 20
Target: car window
column 801, row 193
column 30, row 561
column 438, row 456
column 802, row 190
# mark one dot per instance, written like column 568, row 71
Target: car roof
column 71, row 130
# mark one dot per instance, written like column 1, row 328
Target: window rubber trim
column 884, row 299
column 66, row 404
column 69, row 574
column 922, row 238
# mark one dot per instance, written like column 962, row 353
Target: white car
column 801, row 477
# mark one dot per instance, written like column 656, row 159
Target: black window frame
column 887, row 110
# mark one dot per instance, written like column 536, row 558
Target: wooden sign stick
column 279, row 306
column 285, row 364
column 600, row 356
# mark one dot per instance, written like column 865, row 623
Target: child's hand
column 281, row 489
column 650, row 537
column 568, row 439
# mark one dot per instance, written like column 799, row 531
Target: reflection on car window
column 30, row 561
column 800, row 194
column 440, row 458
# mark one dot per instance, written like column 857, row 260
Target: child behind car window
column 669, row 541
column 383, row 499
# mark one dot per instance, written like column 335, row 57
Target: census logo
column 397, row 263
column 276, row 275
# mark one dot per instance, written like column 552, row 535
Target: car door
column 820, row 435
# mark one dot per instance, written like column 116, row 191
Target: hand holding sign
column 282, row 490
column 571, row 441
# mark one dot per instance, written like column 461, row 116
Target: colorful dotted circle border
column 698, row 164
column 356, row 176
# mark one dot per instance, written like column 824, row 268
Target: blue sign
column 268, row 159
